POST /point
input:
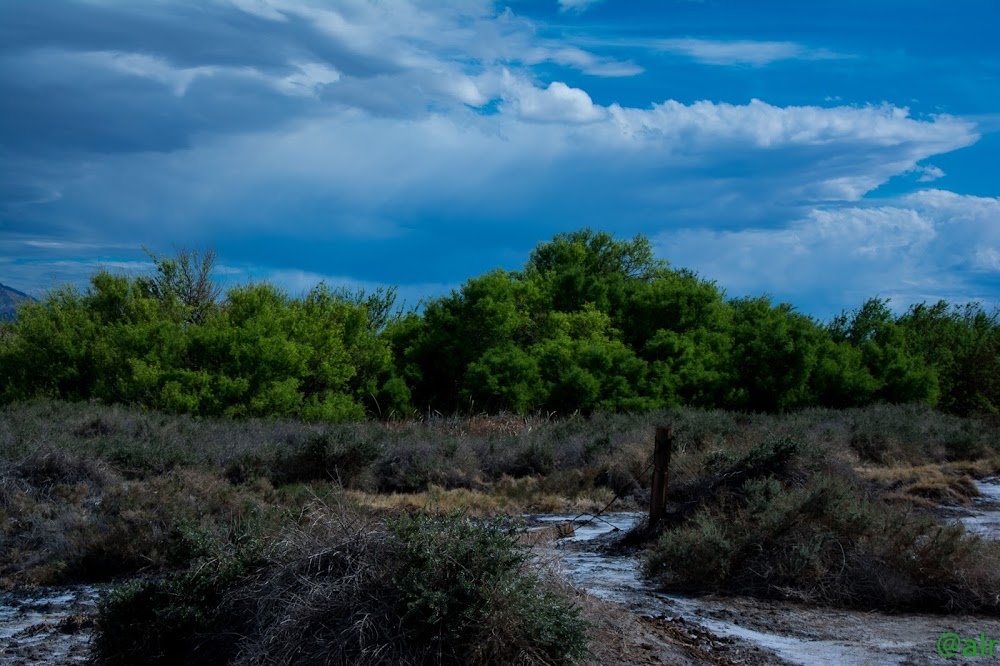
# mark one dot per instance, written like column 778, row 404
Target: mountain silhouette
column 9, row 298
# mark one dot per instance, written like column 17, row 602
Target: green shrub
column 467, row 592
column 158, row 621
column 340, row 455
column 774, row 523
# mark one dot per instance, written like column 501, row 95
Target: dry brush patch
column 779, row 520
column 72, row 473
column 65, row 517
column 348, row 589
column 930, row 486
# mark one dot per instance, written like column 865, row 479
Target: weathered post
column 661, row 464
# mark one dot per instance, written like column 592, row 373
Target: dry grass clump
column 345, row 589
column 929, row 486
column 437, row 499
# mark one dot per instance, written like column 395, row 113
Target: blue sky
column 820, row 152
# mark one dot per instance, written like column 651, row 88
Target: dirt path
column 739, row 630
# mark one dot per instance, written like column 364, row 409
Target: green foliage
column 770, row 456
column 442, row 590
column 331, row 455
column 157, row 621
column 588, row 266
column 566, row 334
column 165, row 342
column 505, row 376
column 774, row 353
column 962, row 344
column 900, row 374
column 589, row 323
column 183, row 284
column 467, row 593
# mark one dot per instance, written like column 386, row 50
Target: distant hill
column 9, row 298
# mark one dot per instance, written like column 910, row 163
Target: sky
column 819, row 152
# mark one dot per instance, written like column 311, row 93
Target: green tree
column 774, row 352
column 900, row 373
column 962, row 344
column 589, row 266
column 185, row 280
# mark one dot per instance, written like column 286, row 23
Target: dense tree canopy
column 159, row 343
column 590, row 323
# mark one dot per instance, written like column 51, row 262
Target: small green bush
column 158, row 621
column 332, row 455
column 467, row 592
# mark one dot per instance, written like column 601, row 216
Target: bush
column 156, row 622
column 418, row 462
column 340, row 455
column 444, row 590
column 773, row 523
column 468, row 595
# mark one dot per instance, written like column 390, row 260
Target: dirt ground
column 805, row 635
column 674, row 629
column 631, row 623
column 46, row 625
column 53, row 626
column 623, row 638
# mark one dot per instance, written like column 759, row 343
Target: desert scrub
column 774, row 523
column 410, row 456
column 348, row 590
column 157, row 621
column 65, row 517
column 468, row 594
column 341, row 455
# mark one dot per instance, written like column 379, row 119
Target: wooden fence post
column 661, row 464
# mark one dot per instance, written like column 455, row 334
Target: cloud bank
column 463, row 132
column 924, row 246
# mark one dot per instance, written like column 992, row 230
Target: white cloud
column 259, row 8
column 306, row 78
column 298, row 283
column 742, row 52
column 556, row 104
column 178, row 79
column 309, row 79
column 77, row 246
column 929, row 245
column 373, row 118
column 767, row 126
column 585, row 61
column 853, row 149
column 577, row 5
column 929, row 173
column 550, row 150
column 969, row 226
